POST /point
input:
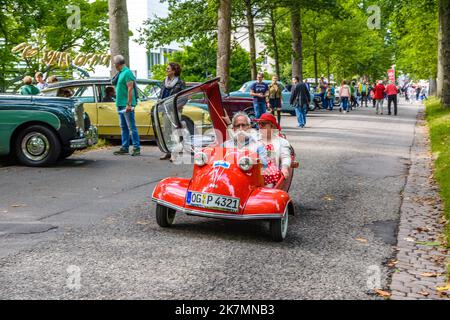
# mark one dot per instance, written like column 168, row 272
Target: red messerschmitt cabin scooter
column 226, row 183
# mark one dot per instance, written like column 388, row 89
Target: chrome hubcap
column 35, row 146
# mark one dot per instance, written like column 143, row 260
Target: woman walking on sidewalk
column 275, row 98
column 379, row 96
column 345, row 96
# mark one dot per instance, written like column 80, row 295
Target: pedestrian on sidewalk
column 28, row 89
column 300, row 99
column 275, row 95
column 171, row 85
column 392, row 93
column 364, row 93
column 345, row 94
column 418, row 90
column 260, row 92
column 126, row 102
column 323, row 86
column 330, row 96
column 379, row 96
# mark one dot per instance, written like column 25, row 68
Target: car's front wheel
column 164, row 216
column 279, row 228
column 37, row 146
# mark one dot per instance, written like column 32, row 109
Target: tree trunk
column 433, row 88
column 329, row 68
column 440, row 79
column 275, row 44
column 316, row 68
column 296, row 30
column 118, row 29
column 251, row 37
column 444, row 51
column 224, row 44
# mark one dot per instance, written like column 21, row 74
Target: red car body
column 220, row 187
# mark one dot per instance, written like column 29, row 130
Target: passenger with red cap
column 277, row 148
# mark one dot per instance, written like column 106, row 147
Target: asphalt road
column 86, row 229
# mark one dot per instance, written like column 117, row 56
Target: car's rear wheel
column 165, row 216
column 37, row 146
column 279, row 228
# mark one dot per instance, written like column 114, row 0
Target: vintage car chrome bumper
column 90, row 138
column 226, row 216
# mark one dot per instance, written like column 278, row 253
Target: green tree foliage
column 43, row 24
column 198, row 62
column 414, row 32
column 187, row 21
column 338, row 33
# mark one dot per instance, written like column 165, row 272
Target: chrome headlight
column 246, row 163
column 78, row 114
column 201, row 159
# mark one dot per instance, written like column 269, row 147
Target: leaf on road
column 392, row 263
column 430, row 274
column 444, row 288
column 382, row 293
column 424, row 293
column 429, row 244
column 362, row 240
column 328, row 198
column 143, row 222
column 409, row 239
column 18, row 205
column 423, row 229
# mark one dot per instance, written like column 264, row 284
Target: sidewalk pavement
column 420, row 266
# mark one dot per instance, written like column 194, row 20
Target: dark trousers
column 364, row 98
column 392, row 98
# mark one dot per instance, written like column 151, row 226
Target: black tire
column 37, row 146
column 279, row 227
column 164, row 216
column 65, row 153
column 189, row 124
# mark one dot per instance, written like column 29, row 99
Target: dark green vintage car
column 38, row 131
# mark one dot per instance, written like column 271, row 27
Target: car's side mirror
column 295, row 165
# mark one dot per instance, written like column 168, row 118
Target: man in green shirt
column 126, row 102
column 28, row 89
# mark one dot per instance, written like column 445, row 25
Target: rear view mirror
column 295, row 165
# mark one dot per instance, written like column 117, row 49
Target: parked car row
column 286, row 107
column 71, row 115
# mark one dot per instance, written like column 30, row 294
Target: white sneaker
column 345, row 111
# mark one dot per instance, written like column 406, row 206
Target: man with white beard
column 242, row 134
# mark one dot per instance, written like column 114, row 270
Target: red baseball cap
column 268, row 117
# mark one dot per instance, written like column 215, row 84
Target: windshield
column 185, row 120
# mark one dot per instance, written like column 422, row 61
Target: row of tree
column 304, row 38
column 311, row 38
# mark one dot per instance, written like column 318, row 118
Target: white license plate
column 212, row 201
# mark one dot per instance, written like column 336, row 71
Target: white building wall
column 241, row 37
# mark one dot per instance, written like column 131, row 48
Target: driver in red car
column 278, row 150
column 273, row 150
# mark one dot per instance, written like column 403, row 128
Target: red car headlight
column 246, row 163
column 200, row 159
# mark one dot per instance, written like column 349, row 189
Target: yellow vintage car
column 100, row 106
